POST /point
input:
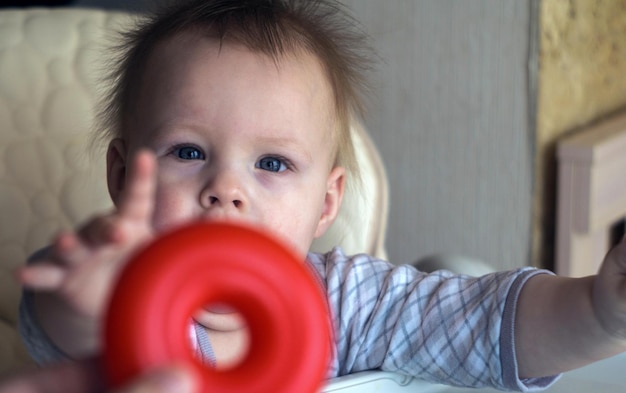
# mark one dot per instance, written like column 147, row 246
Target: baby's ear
column 335, row 186
column 116, row 168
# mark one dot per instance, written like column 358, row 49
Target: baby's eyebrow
column 290, row 144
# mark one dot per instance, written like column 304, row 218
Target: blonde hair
column 323, row 28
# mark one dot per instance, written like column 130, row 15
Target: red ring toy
column 159, row 290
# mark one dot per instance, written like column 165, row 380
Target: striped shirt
column 439, row 327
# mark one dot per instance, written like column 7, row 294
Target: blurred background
column 471, row 97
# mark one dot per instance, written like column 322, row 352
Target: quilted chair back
column 50, row 68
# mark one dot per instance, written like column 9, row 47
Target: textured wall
column 581, row 78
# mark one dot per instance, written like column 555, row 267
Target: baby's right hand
column 82, row 265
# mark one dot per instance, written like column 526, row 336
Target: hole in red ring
column 227, row 332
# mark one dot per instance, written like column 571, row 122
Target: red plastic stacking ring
column 148, row 318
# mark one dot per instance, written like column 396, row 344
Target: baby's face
column 239, row 137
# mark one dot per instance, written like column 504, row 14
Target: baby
column 240, row 111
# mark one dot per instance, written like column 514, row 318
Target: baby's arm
column 565, row 323
column 73, row 282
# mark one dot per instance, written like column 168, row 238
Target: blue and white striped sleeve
column 439, row 327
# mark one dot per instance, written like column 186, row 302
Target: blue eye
column 271, row 164
column 189, row 153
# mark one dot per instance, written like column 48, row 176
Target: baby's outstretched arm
column 565, row 323
column 73, row 282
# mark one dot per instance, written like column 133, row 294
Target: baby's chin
column 220, row 318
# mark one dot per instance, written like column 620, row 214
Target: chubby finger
column 100, row 231
column 137, row 202
column 41, row 276
column 70, row 248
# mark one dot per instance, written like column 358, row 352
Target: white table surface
column 607, row 376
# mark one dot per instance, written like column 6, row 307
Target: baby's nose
column 225, row 191
column 213, row 200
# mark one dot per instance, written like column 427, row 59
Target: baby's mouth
column 220, row 317
column 220, row 308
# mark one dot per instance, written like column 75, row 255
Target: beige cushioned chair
column 50, row 65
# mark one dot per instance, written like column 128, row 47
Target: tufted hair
column 323, row 28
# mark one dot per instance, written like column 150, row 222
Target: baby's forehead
column 305, row 60
column 187, row 60
column 296, row 61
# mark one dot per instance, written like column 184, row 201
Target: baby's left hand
column 609, row 292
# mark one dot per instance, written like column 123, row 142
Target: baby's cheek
column 170, row 212
column 295, row 233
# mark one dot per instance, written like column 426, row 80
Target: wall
column 581, row 79
column 451, row 119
